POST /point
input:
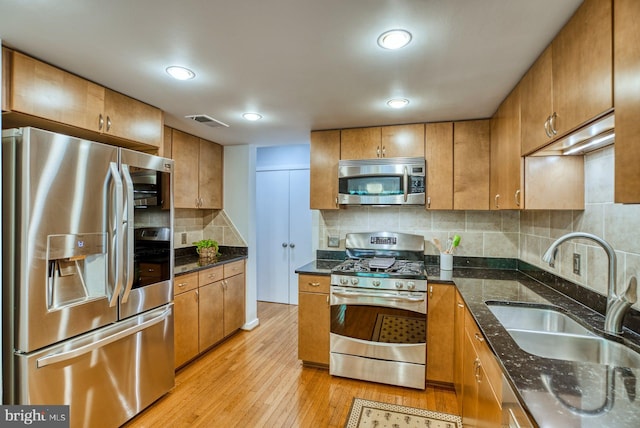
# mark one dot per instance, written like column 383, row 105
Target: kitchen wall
column 205, row 224
column 525, row 235
column 618, row 224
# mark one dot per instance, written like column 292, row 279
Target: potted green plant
column 207, row 248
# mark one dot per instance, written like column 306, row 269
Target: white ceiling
column 303, row 64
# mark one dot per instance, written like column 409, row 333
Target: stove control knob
column 411, row 285
column 354, row 281
column 344, row 281
column 376, row 282
column 399, row 284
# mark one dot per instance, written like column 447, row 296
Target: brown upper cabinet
column 627, row 100
column 571, row 82
column 439, row 158
column 198, row 179
column 42, row 91
column 325, row 154
column 471, row 163
column 506, row 164
column 6, row 70
column 533, row 182
column 382, row 142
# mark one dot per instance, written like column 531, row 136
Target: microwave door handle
column 127, row 255
column 116, row 234
column 406, row 184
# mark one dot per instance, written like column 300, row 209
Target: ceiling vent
column 207, row 120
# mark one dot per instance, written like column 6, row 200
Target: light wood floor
column 255, row 379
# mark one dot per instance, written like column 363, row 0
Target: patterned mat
column 373, row 414
column 399, row 329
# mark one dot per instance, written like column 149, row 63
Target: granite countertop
column 188, row 261
column 556, row 393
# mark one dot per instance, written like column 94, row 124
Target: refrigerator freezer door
column 136, row 167
column 107, row 376
column 61, row 245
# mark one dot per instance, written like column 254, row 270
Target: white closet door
column 299, row 228
column 272, row 226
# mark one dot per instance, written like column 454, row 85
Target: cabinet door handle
column 384, row 152
column 108, row 123
column 552, row 123
column 314, row 284
column 337, row 204
column 100, row 122
column 284, row 245
column 431, row 291
column 197, row 295
column 479, row 337
column 496, row 200
column 428, row 201
column 477, row 366
column 546, row 127
column 378, row 151
column 517, row 197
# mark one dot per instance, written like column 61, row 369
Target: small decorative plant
column 207, row 248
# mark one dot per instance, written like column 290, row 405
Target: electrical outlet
column 184, row 237
column 576, row 263
column 334, row 241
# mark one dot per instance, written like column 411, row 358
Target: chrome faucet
column 617, row 306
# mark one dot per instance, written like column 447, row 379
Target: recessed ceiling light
column 252, row 116
column 180, row 73
column 394, row 39
column 398, row 103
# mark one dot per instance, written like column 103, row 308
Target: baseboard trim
column 251, row 325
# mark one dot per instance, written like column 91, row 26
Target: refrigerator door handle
column 127, row 255
column 116, row 235
column 63, row 356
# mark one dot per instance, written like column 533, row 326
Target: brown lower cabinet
column 313, row 319
column 209, row 305
column 481, row 380
column 440, row 337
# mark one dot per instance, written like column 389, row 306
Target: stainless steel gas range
column 378, row 301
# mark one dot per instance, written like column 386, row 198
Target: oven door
column 378, row 335
column 380, row 324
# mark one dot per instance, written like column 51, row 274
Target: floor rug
column 373, row 414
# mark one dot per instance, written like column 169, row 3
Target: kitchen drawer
column 314, row 283
column 152, row 270
column 487, row 359
column 185, row 283
column 233, row 268
column 208, row 276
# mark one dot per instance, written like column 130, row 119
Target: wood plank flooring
column 255, row 379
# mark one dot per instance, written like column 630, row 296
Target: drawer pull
column 479, row 337
column 182, row 284
column 314, row 284
column 460, row 305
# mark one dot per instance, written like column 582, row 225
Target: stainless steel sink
column 536, row 319
column 551, row 334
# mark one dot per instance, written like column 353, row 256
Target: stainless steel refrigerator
column 79, row 327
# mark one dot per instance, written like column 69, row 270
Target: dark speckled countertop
column 556, row 393
column 187, row 260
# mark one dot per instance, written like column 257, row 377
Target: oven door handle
column 384, row 295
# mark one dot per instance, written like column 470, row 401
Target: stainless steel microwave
column 385, row 181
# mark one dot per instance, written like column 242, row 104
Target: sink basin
column 536, row 319
column 570, row 347
column 548, row 333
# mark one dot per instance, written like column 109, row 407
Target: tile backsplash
column 513, row 234
column 205, row 224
